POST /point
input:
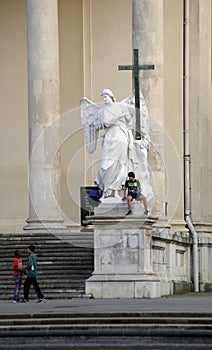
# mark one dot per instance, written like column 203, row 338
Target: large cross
column 136, row 67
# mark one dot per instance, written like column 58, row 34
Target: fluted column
column 43, row 115
column 147, row 35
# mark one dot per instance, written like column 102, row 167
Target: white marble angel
column 120, row 152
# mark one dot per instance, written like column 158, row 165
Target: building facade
column 78, row 45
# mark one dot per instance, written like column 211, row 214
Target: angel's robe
column 117, row 144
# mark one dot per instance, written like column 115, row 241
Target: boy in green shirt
column 31, row 271
column 133, row 188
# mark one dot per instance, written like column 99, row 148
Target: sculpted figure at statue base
column 121, row 153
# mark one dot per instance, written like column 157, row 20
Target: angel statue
column 121, row 153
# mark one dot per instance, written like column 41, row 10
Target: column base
column 45, row 225
column 123, row 286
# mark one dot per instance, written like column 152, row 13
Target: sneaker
column 24, row 301
column 40, row 300
column 129, row 212
column 146, row 212
column 14, row 301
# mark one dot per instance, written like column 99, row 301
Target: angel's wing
column 91, row 121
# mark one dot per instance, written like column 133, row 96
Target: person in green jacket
column 31, row 272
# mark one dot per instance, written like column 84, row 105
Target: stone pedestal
column 123, row 256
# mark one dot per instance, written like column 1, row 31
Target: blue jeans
column 17, row 287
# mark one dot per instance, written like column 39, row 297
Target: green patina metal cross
column 135, row 68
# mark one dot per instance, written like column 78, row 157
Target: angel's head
column 107, row 96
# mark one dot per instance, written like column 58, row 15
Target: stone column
column 199, row 110
column 147, row 36
column 43, row 115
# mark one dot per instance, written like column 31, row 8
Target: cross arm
column 140, row 67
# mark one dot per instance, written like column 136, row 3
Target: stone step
column 124, row 315
column 48, row 288
column 62, row 266
column 106, row 321
column 106, row 331
column 79, row 238
column 55, row 259
column 140, row 329
column 62, row 341
column 26, row 236
column 39, row 245
column 52, row 278
column 74, row 284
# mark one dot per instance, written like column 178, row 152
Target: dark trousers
column 27, row 284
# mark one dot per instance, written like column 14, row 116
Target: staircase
column 64, row 262
column 137, row 330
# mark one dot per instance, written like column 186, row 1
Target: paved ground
column 192, row 302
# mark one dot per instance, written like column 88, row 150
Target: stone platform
column 123, row 254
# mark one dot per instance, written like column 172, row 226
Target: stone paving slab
column 192, row 302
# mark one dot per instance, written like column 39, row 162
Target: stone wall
column 172, row 259
column 204, row 232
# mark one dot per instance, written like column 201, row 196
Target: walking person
column 31, row 271
column 17, row 274
column 132, row 185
